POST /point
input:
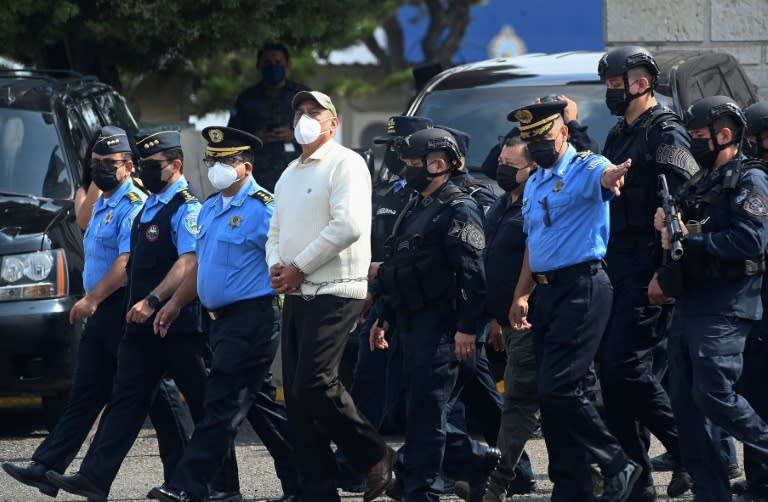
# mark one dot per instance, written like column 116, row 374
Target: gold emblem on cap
column 113, row 141
column 216, row 135
column 391, row 126
column 523, row 116
column 235, row 221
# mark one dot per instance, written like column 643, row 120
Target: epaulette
column 133, row 197
column 583, row 155
column 265, row 197
column 187, row 195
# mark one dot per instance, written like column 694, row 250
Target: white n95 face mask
column 307, row 130
column 222, row 175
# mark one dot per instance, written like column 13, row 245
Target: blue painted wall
column 552, row 26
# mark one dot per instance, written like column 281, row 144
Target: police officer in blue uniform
column 233, row 283
column 753, row 376
column 163, row 245
column 566, row 220
column 433, row 287
column 107, row 246
column 720, row 275
column 657, row 142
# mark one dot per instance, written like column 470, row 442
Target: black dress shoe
column 286, row 498
column 78, row 485
column 214, row 496
column 663, row 463
column 680, row 483
column 379, row 476
column 168, row 494
column 396, row 490
column 521, row 487
column 32, row 475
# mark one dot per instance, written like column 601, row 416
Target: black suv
column 476, row 97
column 47, row 119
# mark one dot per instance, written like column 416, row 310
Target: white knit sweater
column 322, row 221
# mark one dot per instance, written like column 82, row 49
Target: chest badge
column 558, row 186
column 235, row 221
column 108, row 218
column 152, row 233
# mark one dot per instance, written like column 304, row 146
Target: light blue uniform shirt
column 578, row 212
column 108, row 234
column 183, row 223
column 231, row 247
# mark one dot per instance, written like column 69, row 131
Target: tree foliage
column 107, row 36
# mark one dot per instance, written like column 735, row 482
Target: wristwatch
column 152, row 301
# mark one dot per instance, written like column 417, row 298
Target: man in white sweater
column 318, row 251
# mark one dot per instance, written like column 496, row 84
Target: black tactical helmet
column 704, row 111
column 757, row 118
column 420, row 143
column 618, row 61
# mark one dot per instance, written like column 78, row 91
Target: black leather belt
column 260, row 302
column 569, row 273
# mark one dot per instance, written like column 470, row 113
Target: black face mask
column 506, row 177
column 616, row 101
column 105, row 176
column 701, row 152
column 152, row 180
column 544, row 152
column 273, row 74
column 419, row 178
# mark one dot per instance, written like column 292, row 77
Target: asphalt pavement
column 22, row 430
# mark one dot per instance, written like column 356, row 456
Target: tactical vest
column 417, row 271
column 480, row 191
column 709, row 200
column 387, row 206
column 633, row 211
column 152, row 256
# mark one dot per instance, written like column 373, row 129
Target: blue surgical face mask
column 273, row 74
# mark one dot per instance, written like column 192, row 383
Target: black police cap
column 462, row 138
column 399, row 126
column 618, row 61
column 757, row 118
column 111, row 139
column 420, row 143
column 536, row 120
column 229, row 142
column 157, row 139
column 706, row 110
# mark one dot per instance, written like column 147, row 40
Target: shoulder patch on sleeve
column 264, row 196
column 753, row 203
column 133, row 197
column 190, row 223
column 676, row 156
column 473, row 236
column 187, row 195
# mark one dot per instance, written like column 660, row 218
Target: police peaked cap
column 619, row 61
column 111, row 140
column 462, row 138
column 229, row 142
column 157, row 139
column 757, row 118
column 536, row 120
column 399, row 126
column 420, row 143
column 706, row 110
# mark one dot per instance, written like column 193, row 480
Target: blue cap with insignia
column 462, row 138
column 400, row 126
column 157, row 139
column 536, row 120
column 111, row 140
column 228, row 142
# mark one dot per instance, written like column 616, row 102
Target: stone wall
column 739, row 27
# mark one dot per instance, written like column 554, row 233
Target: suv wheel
column 53, row 408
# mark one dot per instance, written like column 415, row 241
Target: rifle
column 671, row 219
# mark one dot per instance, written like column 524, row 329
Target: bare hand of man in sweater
column 286, row 278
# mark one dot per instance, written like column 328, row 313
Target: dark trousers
column 430, row 374
column 569, row 319
column 142, row 359
column 320, row 410
column 752, row 387
column 91, row 389
column 705, row 361
column 634, row 399
column 243, row 343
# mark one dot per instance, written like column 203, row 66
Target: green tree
column 107, row 37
